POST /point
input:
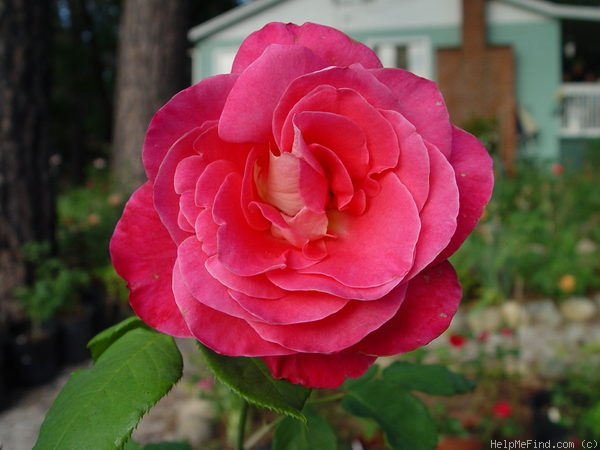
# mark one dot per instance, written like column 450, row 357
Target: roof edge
column 560, row 11
column 228, row 18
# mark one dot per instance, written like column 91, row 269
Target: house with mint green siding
column 536, row 109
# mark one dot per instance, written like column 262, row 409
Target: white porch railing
column 580, row 110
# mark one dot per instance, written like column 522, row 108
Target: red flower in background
column 457, row 340
column 502, row 410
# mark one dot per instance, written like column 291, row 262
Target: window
column 412, row 53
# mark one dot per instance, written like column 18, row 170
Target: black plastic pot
column 74, row 333
column 33, row 361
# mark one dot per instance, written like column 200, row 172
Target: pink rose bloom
column 302, row 208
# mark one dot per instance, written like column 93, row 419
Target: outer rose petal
column 267, row 78
column 421, row 102
column 336, row 48
column 338, row 331
column 319, row 371
column 438, row 216
column 181, row 114
column 475, row 179
column 431, row 301
column 143, row 254
column 223, row 333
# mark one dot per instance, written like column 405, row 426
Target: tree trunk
column 26, row 200
column 151, row 68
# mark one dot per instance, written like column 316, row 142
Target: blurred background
column 81, row 79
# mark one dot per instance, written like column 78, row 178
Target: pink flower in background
column 558, row 169
column 302, row 208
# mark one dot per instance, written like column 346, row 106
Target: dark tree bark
column 151, row 67
column 26, row 201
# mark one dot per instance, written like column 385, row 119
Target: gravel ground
column 19, row 425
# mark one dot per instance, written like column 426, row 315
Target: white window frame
column 418, row 53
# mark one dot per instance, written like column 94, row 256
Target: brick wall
column 478, row 81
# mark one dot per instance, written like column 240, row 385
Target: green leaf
column 132, row 445
column 403, row 418
column 371, row 373
column 168, row 446
column 431, row 379
column 99, row 407
column 250, row 378
column 316, row 433
column 99, row 343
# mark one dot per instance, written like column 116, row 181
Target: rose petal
column 475, row 179
column 255, row 286
column 266, row 78
column 200, row 283
column 355, row 77
column 338, row 331
column 282, row 184
column 182, row 114
column 438, row 216
column 431, row 301
column 242, row 249
column 188, row 212
column 413, row 164
column 206, row 231
column 187, row 172
column 291, row 308
column 231, row 337
column 209, row 182
column 379, row 135
column 291, row 280
column 421, row 102
column 166, row 199
column 143, row 254
column 377, row 247
column 339, row 134
column 319, row 371
column 335, row 47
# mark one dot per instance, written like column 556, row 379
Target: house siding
column 538, row 75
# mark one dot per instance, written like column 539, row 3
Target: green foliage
column 103, row 340
column 101, row 406
column 430, row 379
column 131, row 445
column 385, row 399
column 486, row 129
column 86, row 219
column 403, row 417
column 316, row 433
column 388, row 400
column 540, row 228
column 55, row 288
column 577, row 398
column 251, row 379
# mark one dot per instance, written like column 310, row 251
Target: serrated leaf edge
column 120, row 442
